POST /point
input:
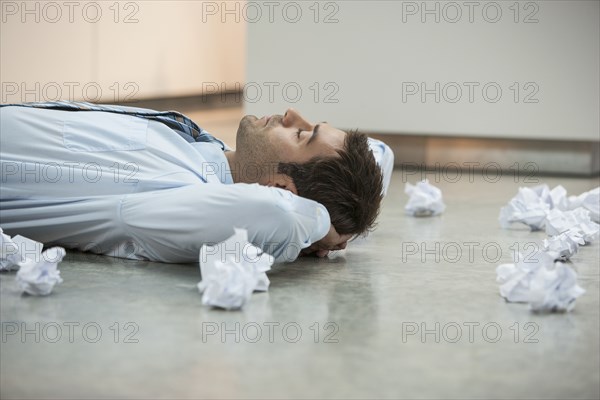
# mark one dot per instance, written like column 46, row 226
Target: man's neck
column 247, row 173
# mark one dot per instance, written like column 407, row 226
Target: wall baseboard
column 547, row 157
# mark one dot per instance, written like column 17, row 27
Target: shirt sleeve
column 171, row 225
column 384, row 156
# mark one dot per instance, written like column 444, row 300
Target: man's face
column 264, row 142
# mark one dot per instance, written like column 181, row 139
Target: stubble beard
column 256, row 159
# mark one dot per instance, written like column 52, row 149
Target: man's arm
column 171, row 225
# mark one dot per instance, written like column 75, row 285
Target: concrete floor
column 346, row 327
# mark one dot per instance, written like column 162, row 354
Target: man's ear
column 283, row 181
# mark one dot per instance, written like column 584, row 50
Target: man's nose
column 293, row 118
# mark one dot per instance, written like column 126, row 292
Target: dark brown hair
column 349, row 185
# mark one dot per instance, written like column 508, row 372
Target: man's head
column 319, row 162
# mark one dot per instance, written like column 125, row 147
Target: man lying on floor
column 141, row 184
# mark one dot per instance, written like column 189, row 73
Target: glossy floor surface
column 411, row 312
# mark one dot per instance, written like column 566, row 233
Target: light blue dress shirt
column 129, row 187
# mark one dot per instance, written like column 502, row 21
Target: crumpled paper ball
column 564, row 245
column 425, row 199
column 555, row 198
column 38, row 272
column 547, row 286
column 578, row 220
column 530, row 207
column 229, row 278
column 10, row 256
column 38, row 278
column 589, row 200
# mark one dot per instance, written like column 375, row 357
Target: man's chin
column 248, row 119
column 245, row 127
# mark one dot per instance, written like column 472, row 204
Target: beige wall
column 154, row 49
column 371, row 54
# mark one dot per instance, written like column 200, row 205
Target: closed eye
column 298, row 133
